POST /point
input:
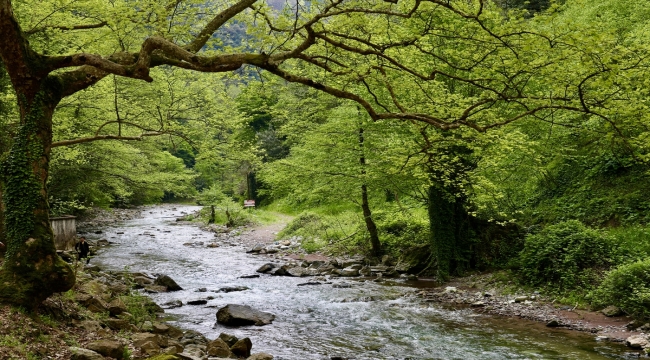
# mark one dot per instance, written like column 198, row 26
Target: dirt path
column 265, row 234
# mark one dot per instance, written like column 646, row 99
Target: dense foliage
column 491, row 134
column 627, row 288
column 564, row 256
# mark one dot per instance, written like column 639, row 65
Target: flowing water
column 364, row 321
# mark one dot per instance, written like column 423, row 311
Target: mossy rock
column 163, row 357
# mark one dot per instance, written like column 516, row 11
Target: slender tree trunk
column 32, row 271
column 3, row 237
column 370, row 223
column 365, row 206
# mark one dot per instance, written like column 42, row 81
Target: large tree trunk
column 449, row 234
column 32, row 271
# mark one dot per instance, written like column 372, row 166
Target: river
column 364, row 321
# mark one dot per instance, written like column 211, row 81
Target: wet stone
column 238, row 315
column 197, row 302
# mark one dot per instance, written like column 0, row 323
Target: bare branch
column 66, row 28
column 103, row 137
column 221, row 18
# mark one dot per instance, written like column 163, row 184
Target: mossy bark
column 32, row 271
column 449, row 231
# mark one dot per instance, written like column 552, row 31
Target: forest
column 460, row 137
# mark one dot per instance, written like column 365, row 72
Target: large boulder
column 84, row 354
column 218, row 348
column 108, row 348
column 169, row 283
column 242, row 348
column 413, row 259
column 239, row 315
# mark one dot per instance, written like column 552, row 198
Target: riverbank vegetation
column 472, row 136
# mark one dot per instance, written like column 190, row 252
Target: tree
column 352, row 49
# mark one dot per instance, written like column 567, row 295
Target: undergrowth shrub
column 564, row 256
column 399, row 230
column 342, row 233
column 627, row 287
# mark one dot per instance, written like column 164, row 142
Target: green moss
column 22, row 193
column 163, row 357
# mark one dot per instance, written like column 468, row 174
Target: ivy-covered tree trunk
column 32, row 271
column 449, row 233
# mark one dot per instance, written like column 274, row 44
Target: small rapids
column 363, row 321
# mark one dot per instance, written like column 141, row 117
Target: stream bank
column 341, row 317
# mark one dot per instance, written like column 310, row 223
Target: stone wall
column 65, row 230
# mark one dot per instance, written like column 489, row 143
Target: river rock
column 266, row 268
column 260, row 356
column 520, row 299
column 553, row 323
column 108, row 348
column 167, row 282
column 155, row 289
column 227, row 289
column 219, row 348
column 116, row 307
column 118, row 289
column 257, row 248
column 310, row 283
column 228, row 339
column 634, row 324
column 150, row 348
column 297, row 272
column 349, row 271
column 197, row 302
column 237, row 315
column 344, row 263
column 159, row 328
column 413, row 259
column 173, row 304
column 249, row 276
column 316, row 264
column 611, row 311
column 187, row 356
column 365, row 271
column 242, row 348
column 84, row 354
column 281, row 271
column 140, row 339
column 173, row 347
column 142, row 281
column 102, row 242
column 117, row 324
column 637, row 341
column 92, row 303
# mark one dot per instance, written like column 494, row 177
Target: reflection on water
column 317, row 322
